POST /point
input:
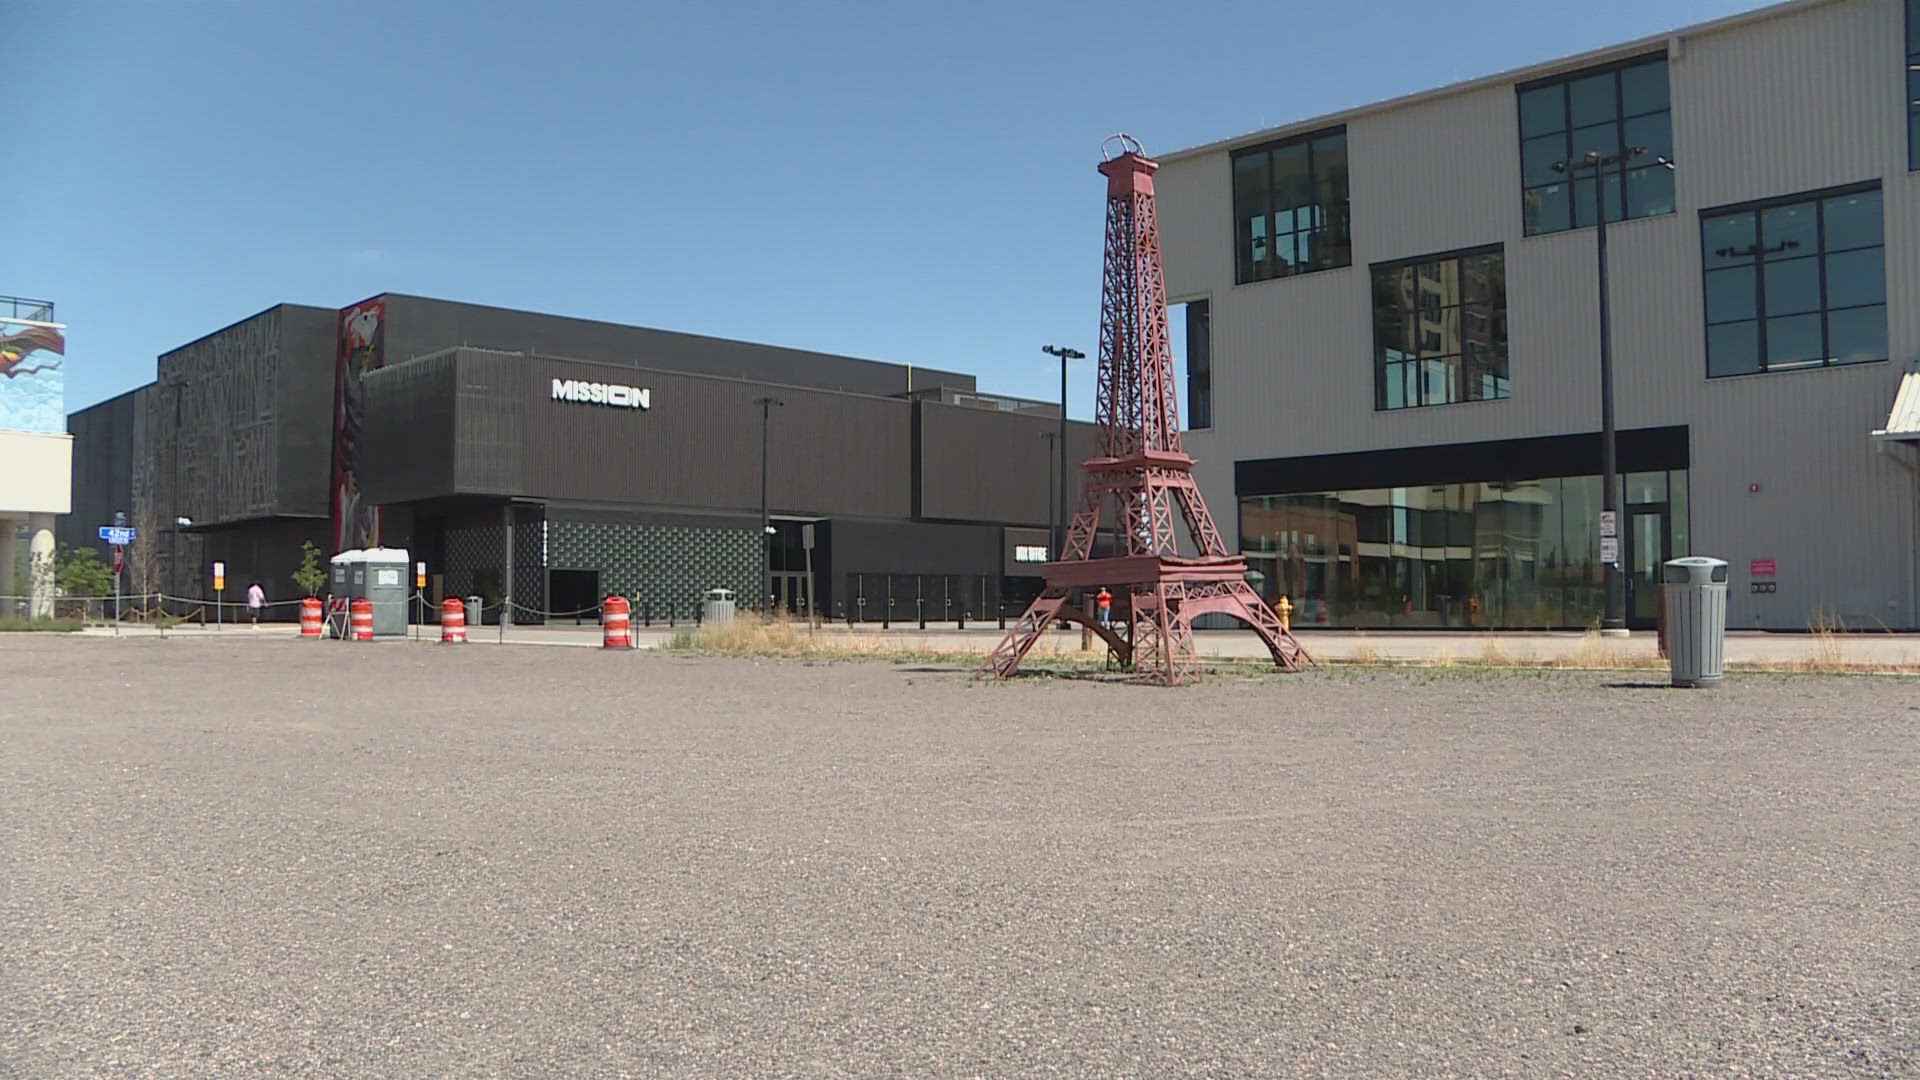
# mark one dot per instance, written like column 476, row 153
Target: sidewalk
column 1743, row 646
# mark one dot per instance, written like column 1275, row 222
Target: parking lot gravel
column 242, row 857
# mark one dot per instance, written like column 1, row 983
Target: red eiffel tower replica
column 1146, row 474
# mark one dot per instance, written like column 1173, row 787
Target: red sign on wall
column 1761, row 568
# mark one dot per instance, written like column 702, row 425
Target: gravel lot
column 245, row 856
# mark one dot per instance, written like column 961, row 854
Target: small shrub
column 17, row 624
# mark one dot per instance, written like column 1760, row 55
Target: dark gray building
column 556, row 461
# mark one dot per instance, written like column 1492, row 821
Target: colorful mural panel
column 362, row 349
column 32, row 386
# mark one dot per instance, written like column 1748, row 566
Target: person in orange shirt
column 1103, row 607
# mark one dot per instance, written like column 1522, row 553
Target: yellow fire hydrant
column 1283, row 607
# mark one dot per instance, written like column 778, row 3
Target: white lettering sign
column 1029, row 553
column 593, row 393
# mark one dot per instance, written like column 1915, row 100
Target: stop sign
column 119, row 558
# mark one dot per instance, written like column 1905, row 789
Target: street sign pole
column 806, row 541
column 119, row 535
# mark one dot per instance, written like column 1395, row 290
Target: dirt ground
column 264, row 856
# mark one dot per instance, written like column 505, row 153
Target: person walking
column 1103, row 607
column 256, row 599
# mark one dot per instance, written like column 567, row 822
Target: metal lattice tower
column 1144, row 472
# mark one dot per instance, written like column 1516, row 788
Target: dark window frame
column 1497, row 309
column 1621, row 173
column 1200, row 374
column 1911, row 87
column 1307, row 139
column 1816, row 199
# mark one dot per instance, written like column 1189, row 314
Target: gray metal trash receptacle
column 476, row 610
column 387, row 584
column 718, row 607
column 1696, row 592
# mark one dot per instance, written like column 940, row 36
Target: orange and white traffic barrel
column 361, row 616
column 616, row 623
column 309, row 617
column 453, row 622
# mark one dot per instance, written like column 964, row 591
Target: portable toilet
column 340, row 575
column 383, row 577
column 340, row 591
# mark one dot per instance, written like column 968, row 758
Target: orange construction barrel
column 360, row 613
column 616, row 623
column 453, row 622
column 309, row 617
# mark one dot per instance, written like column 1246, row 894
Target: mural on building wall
column 32, row 390
column 362, row 349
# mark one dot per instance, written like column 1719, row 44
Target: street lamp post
column 1058, row 542
column 1613, row 622
column 767, row 405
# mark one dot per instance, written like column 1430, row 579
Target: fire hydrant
column 1283, row 607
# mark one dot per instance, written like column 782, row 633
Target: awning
column 1903, row 424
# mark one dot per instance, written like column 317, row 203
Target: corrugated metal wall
column 1807, row 100
column 408, row 435
column 981, row 465
column 697, row 446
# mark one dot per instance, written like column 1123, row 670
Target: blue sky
column 899, row 181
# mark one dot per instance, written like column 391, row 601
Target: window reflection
column 1605, row 110
column 1290, row 207
column 1799, row 283
column 1440, row 331
column 1506, row 554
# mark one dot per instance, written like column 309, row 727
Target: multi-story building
column 36, row 454
column 1393, row 331
column 552, row 461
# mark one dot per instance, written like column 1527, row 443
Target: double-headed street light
column 1057, row 541
column 1614, row 622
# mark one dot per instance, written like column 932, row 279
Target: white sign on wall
column 1029, row 553
column 593, row 393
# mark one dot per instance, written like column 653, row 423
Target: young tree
column 309, row 578
column 79, row 572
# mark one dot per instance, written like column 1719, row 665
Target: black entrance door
column 1646, row 549
column 574, row 594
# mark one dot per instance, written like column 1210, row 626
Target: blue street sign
column 116, row 535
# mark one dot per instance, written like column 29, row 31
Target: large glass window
column 1913, row 84
column 1440, row 330
column 1290, row 207
column 1608, row 109
column 1795, row 283
column 1199, row 364
column 1507, row 553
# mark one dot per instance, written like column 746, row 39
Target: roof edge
column 1512, row 75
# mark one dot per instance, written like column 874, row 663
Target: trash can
column 718, row 609
column 387, row 584
column 1696, row 596
column 476, row 610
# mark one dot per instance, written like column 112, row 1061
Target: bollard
column 310, row 618
column 963, row 618
column 360, row 614
column 920, row 602
column 616, row 617
column 453, row 622
column 646, row 614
